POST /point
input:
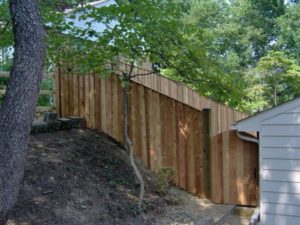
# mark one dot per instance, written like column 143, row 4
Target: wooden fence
column 169, row 129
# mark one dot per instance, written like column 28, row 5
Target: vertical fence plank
column 57, row 93
column 164, row 131
column 240, row 172
column 97, row 103
column 115, row 107
column 151, row 128
column 81, row 96
column 63, row 92
column 76, row 95
column 182, row 137
column 226, row 166
column 120, row 113
column 157, row 123
column 142, row 116
column 103, row 105
column 87, row 100
column 70, row 104
column 173, row 139
column 92, row 101
column 109, row 105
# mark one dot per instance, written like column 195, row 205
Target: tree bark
column 127, row 142
column 18, row 108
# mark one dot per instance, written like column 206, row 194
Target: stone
column 65, row 123
column 77, row 122
column 39, row 127
column 50, row 116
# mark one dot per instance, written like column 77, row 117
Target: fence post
column 206, row 123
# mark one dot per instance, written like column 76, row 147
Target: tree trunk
column 127, row 142
column 18, row 108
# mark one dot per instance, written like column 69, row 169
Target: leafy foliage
column 275, row 80
column 224, row 49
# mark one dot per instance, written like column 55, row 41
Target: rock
column 65, row 123
column 50, row 116
column 77, row 122
column 39, row 127
column 54, row 126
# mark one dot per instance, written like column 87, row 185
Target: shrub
column 165, row 177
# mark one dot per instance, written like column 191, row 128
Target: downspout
column 256, row 214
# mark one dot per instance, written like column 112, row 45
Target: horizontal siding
column 281, row 164
column 277, row 175
column 295, row 110
column 281, row 187
column 284, row 119
column 282, row 209
column 280, row 198
column 280, row 130
column 280, row 169
column 291, row 142
column 271, row 219
column 281, row 153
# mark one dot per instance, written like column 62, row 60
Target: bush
column 165, row 177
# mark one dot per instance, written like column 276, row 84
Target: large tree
column 18, row 108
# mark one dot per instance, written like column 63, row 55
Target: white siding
column 289, row 130
column 280, row 175
column 287, row 209
column 281, row 164
column 281, row 186
column 297, row 110
column 276, row 219
column 282, row 142
column 280, row 169
column 281, row 153
column 283, row 119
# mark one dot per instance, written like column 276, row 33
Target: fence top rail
column 181, row 93
column 175, row 89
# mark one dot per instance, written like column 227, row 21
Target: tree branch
column 6, row 25
column 142, row 74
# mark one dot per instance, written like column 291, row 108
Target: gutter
column 256, row 214
column 246, row 138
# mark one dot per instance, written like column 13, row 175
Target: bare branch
column 6, row 25
column 142, row 74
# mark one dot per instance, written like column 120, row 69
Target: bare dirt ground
column 80, row 177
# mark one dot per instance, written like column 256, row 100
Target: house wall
column 280, row 169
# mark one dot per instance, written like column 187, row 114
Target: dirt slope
column 79, row 177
